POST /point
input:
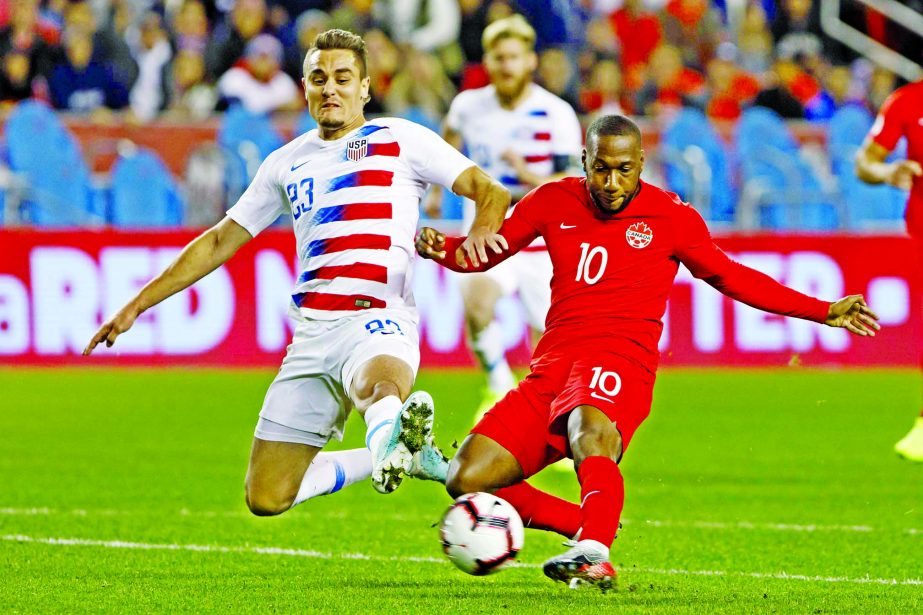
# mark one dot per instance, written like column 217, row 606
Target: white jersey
column 541, row 127
column 355, row 203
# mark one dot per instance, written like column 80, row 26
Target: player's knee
column 268, row 504
column 594, row 439
column 462, row 479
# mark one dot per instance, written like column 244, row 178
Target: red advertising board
column 55, row 287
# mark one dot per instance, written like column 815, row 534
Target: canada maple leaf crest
column 639, row 235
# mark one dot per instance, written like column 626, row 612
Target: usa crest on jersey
column 357, row 150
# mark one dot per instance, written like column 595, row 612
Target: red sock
column 602, row 495
column 542, row 511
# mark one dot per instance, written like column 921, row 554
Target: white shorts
column 308, row 402
column 529, row 274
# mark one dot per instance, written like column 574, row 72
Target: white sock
column 595, row 546
column 488, row 347
column 379, row 418
column 330, row 472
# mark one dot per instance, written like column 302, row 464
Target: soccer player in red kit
column 901, row 115
column 616, row 244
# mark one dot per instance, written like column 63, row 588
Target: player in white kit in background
column 353, row 189
column 523, row 135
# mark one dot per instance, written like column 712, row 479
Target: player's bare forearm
column 872, row 168
column 491, row 202
column 491, row 199
column 200, row 257
column 870, row 163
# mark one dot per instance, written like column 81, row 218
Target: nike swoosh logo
column 298, row 166
column 567, row 226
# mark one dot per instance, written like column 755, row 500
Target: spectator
column 839, row 84
column 152, row 52
column 81, row 83
column 109, row 48
column 731, row 89
column 775, row 94
column 246, row 20
column 15, row 83
column 384, row 62
column 670, row 84
column 421, row 90
column 881, row 83
column 754, row 41
column 556, row 74
column 308, row 25
column 191, row 95
column 693, row 27
column 604, row 95
column 258, row 83
column 190, row 26
column 428, row 26
column 29, row 35
column 638, row 33
column 353, row 15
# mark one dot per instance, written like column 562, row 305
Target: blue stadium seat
column 304, row 123
column 247, row 139
column 144, row 193
column 696, row 165
column 868, row 206
column 778, row 181
column 58, row 189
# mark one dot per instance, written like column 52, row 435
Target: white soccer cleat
column 429, row 463
column 411, row 431
column 911, row 446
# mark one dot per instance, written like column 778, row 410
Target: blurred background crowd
column 143, row 61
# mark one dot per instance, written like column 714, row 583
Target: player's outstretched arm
column 872, row 168
column 491, row 202
column 200, row 257
column 853, row 314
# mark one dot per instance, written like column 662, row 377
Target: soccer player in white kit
column 525, row 136
column 353, row 188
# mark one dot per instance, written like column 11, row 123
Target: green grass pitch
column 747, row 491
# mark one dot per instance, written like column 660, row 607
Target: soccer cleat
column 429, row 464
column 411, row 431
column 581, row 566
column 911, row 446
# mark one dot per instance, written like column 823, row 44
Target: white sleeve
column 261, row 203
column 429, row 156
column 566, row 134
column 453, row 119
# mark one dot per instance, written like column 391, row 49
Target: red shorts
column 531, row 420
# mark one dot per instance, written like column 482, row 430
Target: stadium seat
column 781, row 189
column 868, row 206
column 247, row 138
column 48, row 161
column 144, row 193
column 304, row 123
column 696, row 165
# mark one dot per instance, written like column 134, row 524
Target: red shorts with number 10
column 531, row 420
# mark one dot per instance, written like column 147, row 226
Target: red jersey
column 901, row 115
column 613, row 272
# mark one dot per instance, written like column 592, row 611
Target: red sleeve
column 519, row 230
column 706, row 261
column 889, row 125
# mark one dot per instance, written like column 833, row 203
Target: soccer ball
column 481, row 533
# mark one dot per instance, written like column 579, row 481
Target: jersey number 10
column 588, row 263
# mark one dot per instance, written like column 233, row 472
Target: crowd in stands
column 188, row 59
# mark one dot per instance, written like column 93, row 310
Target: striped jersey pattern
column 540, row 127
column 354, row 204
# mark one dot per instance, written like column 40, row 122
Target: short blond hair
column 514, row 26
